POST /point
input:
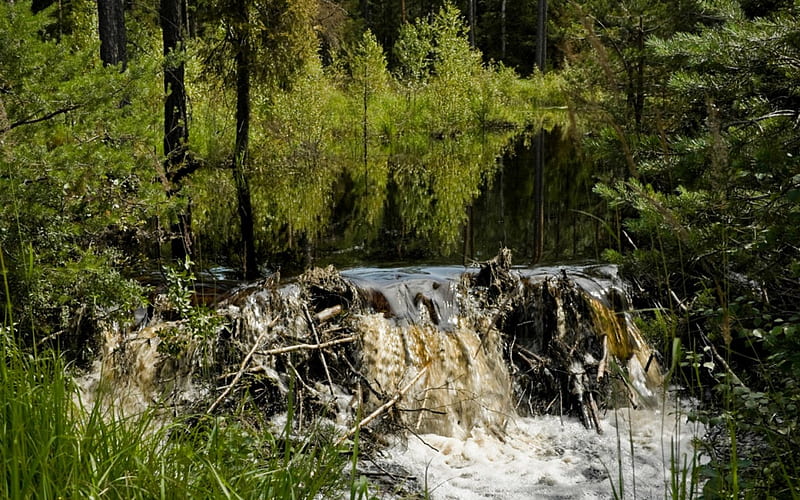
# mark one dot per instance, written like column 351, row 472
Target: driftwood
column 327, row 314
column 560, row 342
column 307, row 347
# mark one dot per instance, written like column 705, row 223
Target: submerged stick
column 243, row 366
column 593, row 412
column 601, row 368
column 381, row 409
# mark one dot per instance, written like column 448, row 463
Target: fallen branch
column 307, row 347
column 601, row 368
column 382, row 409
column 243, row 366
column 593, row 412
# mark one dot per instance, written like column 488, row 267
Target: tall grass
column 52, row 447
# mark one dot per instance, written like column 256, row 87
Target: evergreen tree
column 75, row 176
column 713, row 215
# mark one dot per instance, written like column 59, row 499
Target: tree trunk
column 538, row 197
column 111, row 24
column 240, row 160
column 503, row 34
column 176, row 131
column 541, row 36
column 173, row 32
column 472, row 23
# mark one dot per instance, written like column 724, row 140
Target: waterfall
column 463, row 354
column 494, row 342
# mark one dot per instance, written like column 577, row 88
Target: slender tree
column 177, row 163
column 538, row 215
column 503, row 34
column 268, row 43
column 241, row 149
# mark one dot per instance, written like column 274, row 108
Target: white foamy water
column 547, row 458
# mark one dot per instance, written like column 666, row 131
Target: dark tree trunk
column 472, row 23
column 541, row 36
column 176, row 131
column 240, row 160
column 538, row 194
column 538, row 200
column 111, row 23
column 503, row 34
column 175, row 117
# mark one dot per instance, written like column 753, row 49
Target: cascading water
column 491, row 383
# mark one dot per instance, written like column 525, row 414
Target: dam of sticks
column 418, row 362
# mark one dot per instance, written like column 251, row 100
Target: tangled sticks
column 431, row 350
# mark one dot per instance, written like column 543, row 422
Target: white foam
column 543, row 457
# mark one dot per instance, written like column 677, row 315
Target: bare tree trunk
column 240, row 160
column 538, row 196
column 503, row 34
column 173, row 32
column 472, row 23
column 541, row 36
column 538, row 199
column 111, row 25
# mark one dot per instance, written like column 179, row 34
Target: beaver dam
column 485, row 382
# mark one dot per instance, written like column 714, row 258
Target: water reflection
column 463, row 198
column 414, row 198
column 504, row 213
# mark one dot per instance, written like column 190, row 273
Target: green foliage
column 712, row 217
column 52, row 448
column 328, row 150
column 75, row 176
column 278, row 35
column 197, row 325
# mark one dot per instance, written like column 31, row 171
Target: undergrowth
column 51, row 446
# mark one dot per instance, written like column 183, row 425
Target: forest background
column 252, row 133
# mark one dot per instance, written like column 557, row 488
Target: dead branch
column 593, row 412
column 243, row 366
column 382, row 409
column 601, row 368
column 307, row 347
